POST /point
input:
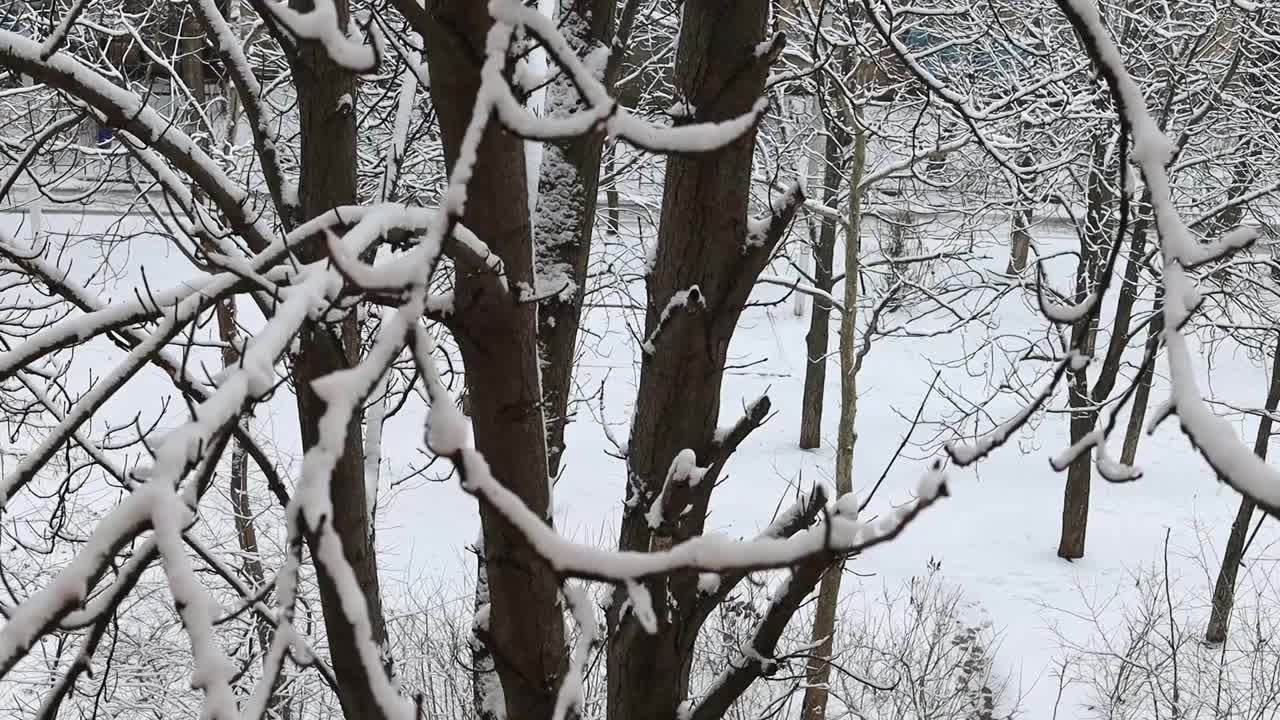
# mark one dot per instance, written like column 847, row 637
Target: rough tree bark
column 704, row 267
column 327, row 179
column 824, row 620
column 497, row 337
column 568, row 185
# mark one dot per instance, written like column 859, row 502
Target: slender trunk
column 1021, row 240
column 1225, row 589
column 1020, row 226
column 824, row 621
column 568, row 184
column 1075, row 500
column 800, row 300
column 613, row 213
column 327, row 179
column 1020, row 236
column 1095, row 244
column 241, row 509
column 816, row 340
column 1133, row 431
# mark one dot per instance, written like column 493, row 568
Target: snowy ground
column 995, row 537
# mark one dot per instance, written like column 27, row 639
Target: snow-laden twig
column 572, row 693
column 266, row 141
column 706, row 553
column 81, row 328
column 320, row 24
column 968, row 453
column 601, row 108
column 212, row 669
column 58, row 37
column 131, row 112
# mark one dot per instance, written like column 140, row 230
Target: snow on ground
column 995, row 537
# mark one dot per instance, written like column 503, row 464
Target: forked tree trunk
column 1224, row 589
column 824, row 621
column 703, row 270
column 818, row 337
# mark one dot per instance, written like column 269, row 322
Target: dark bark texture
column 568, row 185
column 327, row 179
column 497, row 337
column 702, row 274
column 818, row 337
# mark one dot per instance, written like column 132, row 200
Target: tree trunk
column 1075, row 500
column 702, row 274
column 485, row 684
column 1020, row 237
column 327, row 178
column 824, row 621
column 816, row 340
column 1225, row 589
column 497, row 337
column 1133, row 431
column 241, row 510
column 613, row 213
column 568, row 184
column 1020, row 216
column 1095, row 244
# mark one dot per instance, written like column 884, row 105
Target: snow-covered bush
column 920, row 651
column 1144, row 656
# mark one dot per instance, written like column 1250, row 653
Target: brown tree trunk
column 824, row 621
column 568, row 184
column 497, row 337
column 702, row 274
column 1133, row 431
column 1095, row 244
column 1225, row 589
column 327, row 178
column 1075, row 500
column 613, row 212
column 817, row 339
